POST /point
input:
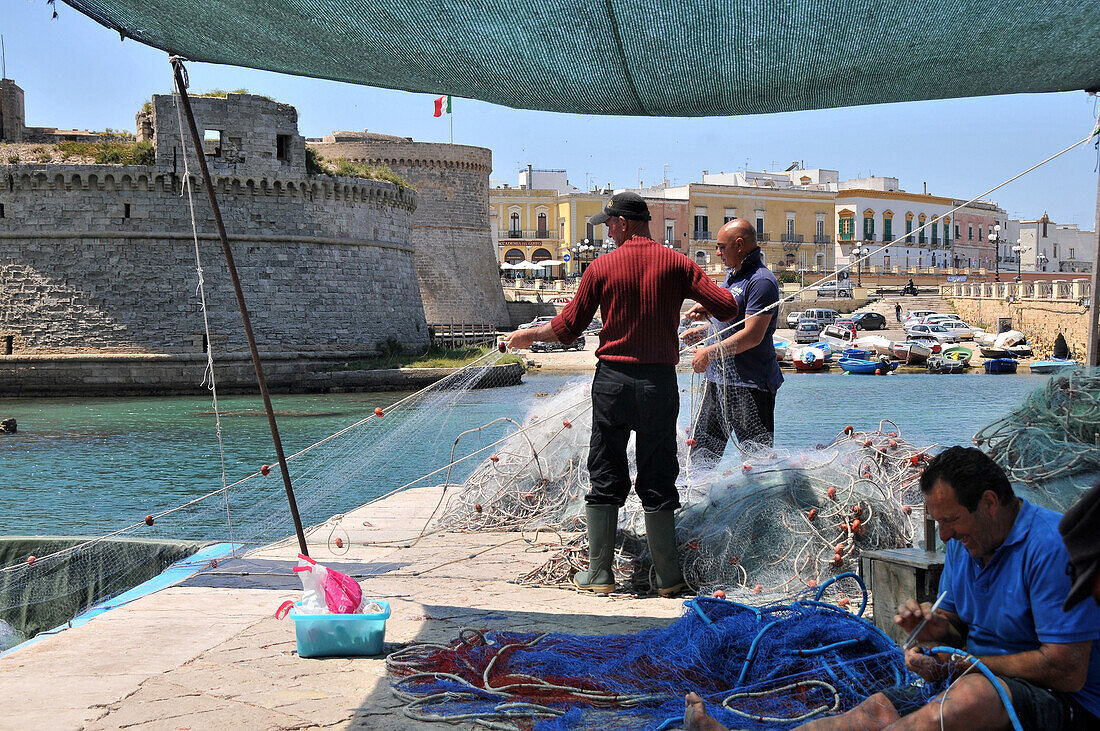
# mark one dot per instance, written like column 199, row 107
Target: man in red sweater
column 639, row 288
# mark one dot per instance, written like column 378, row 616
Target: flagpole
column 452, row 116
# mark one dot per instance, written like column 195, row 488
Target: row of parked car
column 944, row 328
column 808, row 324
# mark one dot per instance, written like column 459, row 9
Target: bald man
column 742, row 375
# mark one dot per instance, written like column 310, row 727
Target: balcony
column 793, row 238
column 514, row 233
column 822, row 239
column 701, row 235
column 763, row 236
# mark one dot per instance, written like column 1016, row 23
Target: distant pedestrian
column 897, row 310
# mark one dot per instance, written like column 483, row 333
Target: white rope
column 208, row 379
column 718, row 336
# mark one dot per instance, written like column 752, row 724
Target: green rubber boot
column 660, row 531
column 603, row 521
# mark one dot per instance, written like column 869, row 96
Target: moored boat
column 810, row 358
column 878, row 344
column 782, row 348
column 825, row 348
column 990, row 351
column 863, row 366
column 959, row 353
column 943, row 364
column 1053, row 365
column 1000, row 365
column 911, row 353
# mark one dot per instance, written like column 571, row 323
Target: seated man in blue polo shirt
column 1004, row 583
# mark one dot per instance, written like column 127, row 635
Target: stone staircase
column 885, row 306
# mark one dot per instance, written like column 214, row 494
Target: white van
column 822, row 316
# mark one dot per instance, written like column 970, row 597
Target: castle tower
column 12, row 115
column 456, row 262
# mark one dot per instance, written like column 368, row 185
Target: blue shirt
column 755, row 288
column 1014, row 603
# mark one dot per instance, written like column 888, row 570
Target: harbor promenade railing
column 1058, row 289
column 458, row 334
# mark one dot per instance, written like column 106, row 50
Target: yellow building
column 794, row 225
column 526, row 227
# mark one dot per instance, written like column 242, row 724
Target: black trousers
column 748, row 412
column 643, row 399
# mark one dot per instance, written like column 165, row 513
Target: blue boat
column 1000, row 365
column 866, row 367
column 1053, row 365
column 857, row 353
column 824, row 348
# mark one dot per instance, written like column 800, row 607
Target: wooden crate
column 896, row 575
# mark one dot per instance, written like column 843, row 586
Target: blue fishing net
column 772, row 667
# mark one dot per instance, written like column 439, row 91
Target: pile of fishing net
column 758, row 668
column 785, row 521
column 1050, row 445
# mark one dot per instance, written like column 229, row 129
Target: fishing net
column 772, row 667
column 1050, row 445
column 785, row 521
column 43, row 584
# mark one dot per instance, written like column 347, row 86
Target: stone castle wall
column 456, row 262
column 101, row 259
column 1041, row 320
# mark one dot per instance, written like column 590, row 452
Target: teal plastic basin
column 341, row 635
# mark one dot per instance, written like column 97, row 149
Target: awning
column 641, row 57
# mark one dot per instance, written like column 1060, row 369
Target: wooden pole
column 181, row 88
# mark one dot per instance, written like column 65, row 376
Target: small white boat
column 878, row 344
column 782, row 348
column 911, row 353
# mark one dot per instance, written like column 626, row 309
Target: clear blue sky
column 77, row 74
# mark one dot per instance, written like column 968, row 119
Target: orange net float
column 31, row 560
column 494, row 458
column 690, row 442
column 379, row 412
column 567, row 424
column 265, row 469
column 746, row 467
column 719, row 594
column 339, row 542
column 148, row 520
column 812, row 514
column 757, row 589
column 849, row 430
column 831, row 492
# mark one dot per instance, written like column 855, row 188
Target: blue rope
column 955, row 652
column 838, row 577
column 826, row 648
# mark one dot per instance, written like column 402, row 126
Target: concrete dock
column 209, row 654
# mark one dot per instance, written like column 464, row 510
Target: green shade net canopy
column 641, row 57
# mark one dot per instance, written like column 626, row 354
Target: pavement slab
column 209, row 654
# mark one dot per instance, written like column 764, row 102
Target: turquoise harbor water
column 89, row 466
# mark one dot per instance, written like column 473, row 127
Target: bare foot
column 696, row 717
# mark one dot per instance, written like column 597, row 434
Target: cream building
column 873, row 213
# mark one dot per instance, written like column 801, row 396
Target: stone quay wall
column 456, row 262
column 1039, row 309
column 100, row 259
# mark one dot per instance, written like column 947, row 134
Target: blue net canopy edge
column 640, row 57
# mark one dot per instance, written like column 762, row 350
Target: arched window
column 701, row 258
column 540, row 255
column 513, row 226
column 847, row 224
column 542, row 232
column 513, row 256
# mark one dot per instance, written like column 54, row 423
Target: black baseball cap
column 1080, row 529
column 627, row 205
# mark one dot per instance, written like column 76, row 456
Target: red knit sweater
column 640, row 288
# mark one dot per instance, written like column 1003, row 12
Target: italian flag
column 442, row 106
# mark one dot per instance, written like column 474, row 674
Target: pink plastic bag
column 342, row 594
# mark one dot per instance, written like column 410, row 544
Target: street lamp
column 995, row 239
column 859, row 253
column 1018, row 250
column 1041, row 261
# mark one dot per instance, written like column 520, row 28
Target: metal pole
column 1093, row 353
column 181, row 88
